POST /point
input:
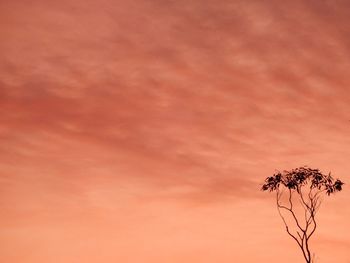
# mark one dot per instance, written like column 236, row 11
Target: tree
column 299, row 194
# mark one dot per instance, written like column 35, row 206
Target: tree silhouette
column 299, row 194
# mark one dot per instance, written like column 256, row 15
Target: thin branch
column 290, row 209
column 301, row 242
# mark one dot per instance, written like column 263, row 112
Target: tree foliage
column 304, row 187
column 299, row 177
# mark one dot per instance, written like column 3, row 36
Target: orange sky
column 140, row 131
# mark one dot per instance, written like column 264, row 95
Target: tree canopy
column 299, row 177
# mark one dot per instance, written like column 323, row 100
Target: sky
column 142, row 131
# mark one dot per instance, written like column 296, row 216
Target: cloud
column 197, row 82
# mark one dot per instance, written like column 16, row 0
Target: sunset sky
column 141, row 131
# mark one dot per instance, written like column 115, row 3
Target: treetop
column 299, row 177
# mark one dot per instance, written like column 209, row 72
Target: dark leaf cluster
column 298, row 177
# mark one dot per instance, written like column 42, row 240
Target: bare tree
column 299, row 194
